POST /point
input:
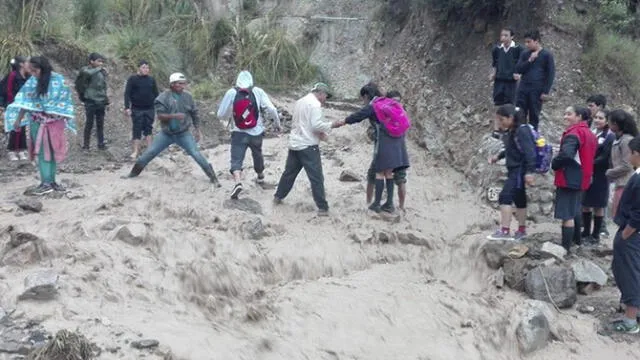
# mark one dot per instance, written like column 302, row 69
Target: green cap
column 324, row 88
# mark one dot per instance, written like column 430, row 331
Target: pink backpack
column 392, row 116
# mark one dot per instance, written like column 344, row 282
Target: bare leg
column 402, row 195
column 521, row 215
column 505, row 216
column 136, row 149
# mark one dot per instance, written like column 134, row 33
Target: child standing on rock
column 597, row 196
column 573, row 168
column 519, row 151
column 626, row 246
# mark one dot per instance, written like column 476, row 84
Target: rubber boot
column 135, row 171
column 212, row 176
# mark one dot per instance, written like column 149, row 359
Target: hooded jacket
column 573, row 166
column 245, row 81
column 94, row 82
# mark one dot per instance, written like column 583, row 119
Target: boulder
column 19, row 238
column 533, row 322
column 410, row 238
column 553, row 284
column 554, row 250
column 29, row 253
column 31, row 205
column 243, row 204
column 516, row 270
column 253, row 229
column 41, row 285
column 132, row 234
column 495, row 254
column 586, row 271
column 349, row 176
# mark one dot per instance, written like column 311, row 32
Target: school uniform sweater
column 504, row 61
column 629, row 208
column 539, row 74
column 140, row 93
column 519, row 150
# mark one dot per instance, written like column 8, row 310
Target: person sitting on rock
column 597, row 196
column 390, row 153
column 626, row 246
column 573, row 167
column 520, row 153
column 308, row 129
column 45, row 106
column 245, row 103
column 177, row 113
column 399, row 175
column 624, row 126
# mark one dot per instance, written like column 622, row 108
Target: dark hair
column 42, row 63
column 142, row 62
column 16, row 62
column 634, row 144
column 393, row 94
column 606, row 116
column 583, row 112
column 533, row 35
column 370, row 90
column 511, row 111
column 598, row 99
column 625, row 122
column 95, row 56
column 510, row 30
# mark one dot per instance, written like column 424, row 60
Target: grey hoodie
column 169, row 102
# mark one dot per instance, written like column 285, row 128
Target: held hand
column 517, row 77
column 529, row 180
column 197, row 134
column 323, row 136
column 178, row 116
column 627, row 233
column 338, row 123
column 534, row 56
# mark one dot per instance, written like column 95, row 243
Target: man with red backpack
column 245, row 103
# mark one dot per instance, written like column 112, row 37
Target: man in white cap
column 177, row 113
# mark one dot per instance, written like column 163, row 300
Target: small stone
column 587, row 272
column 467, row 324
column 32, row 205
column 586, row 309
column 145, row 344
column 556, row 251
column 533, row 325
column 349, row 176
column 587, row 288
column 132, row 234
column 243, row 204
column 74, row 195
column 253, row 229
column 410, row 238
column 42, row 285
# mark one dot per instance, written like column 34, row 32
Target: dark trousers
column 504, row 92
column 95, row 113
column 309, row 159
column 239, row 143
column 18, row 140
column 529, row 101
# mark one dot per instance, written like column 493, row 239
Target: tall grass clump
column 87, row 14
column 22, row 24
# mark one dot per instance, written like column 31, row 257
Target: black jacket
column 505, row 62
column 140, row 93
column 18, row 81
column 603, row 153
column 519, row 150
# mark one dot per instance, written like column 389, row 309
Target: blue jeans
column 163, row 140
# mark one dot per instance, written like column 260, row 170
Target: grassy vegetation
column 173, row 35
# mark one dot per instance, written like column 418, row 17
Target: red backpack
column 245, row 109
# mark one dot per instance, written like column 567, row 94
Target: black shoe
column 237, row 189
column 375, row 208
column 43, row 189
column 388, row 208
column 58, row 187
column 260, row 178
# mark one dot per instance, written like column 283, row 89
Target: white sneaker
column 13, row 156
column 23, row 156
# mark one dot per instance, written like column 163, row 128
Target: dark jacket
column 573, row 166
column 629, row 208
column 520, row 150
column 140, row 93
column 603, row 153
column 505, row 61
column 10, row 86
column 92, row 83
column 539, row 74
column 169, row 102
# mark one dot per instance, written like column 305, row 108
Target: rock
column 32, row 205
column 467, row 324
column 555, row 250
column 145, row 344
column 587, row 288
column 533, row 322
column 12, row 342
column 19, row 238
column 555, row 282
column 133, row 234
column 495, row 254
column 410, row 238
column 516, row 270
column 498, row 278
column 28, row 253
column 75, row 195
column 3, row 315
column 42, row 285
column 349, row 176
column 586, row 309
column 243, row 204
column 253, row 229
column 586, row 271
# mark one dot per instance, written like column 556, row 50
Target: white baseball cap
column 175, row 77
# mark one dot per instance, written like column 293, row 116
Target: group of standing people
column 598, row 163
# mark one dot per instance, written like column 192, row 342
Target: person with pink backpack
column 390, row 123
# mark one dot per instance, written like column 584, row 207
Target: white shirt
column 245, row 81
column 307, row 122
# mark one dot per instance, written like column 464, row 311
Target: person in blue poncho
column 45, row 106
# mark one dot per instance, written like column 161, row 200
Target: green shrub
column 87, row 13
column 207, row 90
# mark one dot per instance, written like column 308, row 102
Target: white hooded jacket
column 245, row 81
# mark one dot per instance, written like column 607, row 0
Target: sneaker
column 58, row 187
column 520, row 235
column 236, row 191
column 375, row 208
column 13, row 156
column 260, row 178
column 604, row 233
column 43, row 189
column 500, row 235
column 388, row 208
column 323, row 212
column 622, row 327
column 22, row 155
